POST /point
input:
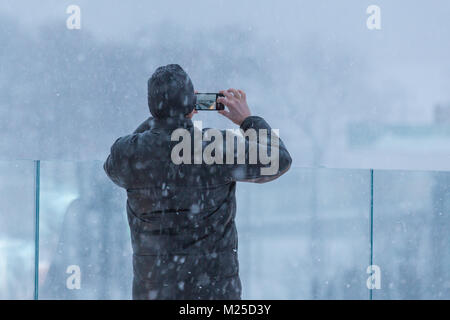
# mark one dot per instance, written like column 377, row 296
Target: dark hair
column 170, row 92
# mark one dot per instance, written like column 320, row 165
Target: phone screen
column 207, row 101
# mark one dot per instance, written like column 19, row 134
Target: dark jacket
column 182, row 217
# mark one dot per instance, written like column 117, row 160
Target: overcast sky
column 405, row 64
column 411, row 49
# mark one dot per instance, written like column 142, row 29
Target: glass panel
column 17, row 221
column 411, row 234
column 305, row 235
column 85, row 249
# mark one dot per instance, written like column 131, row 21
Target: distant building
column 442, row 113
column 399, row 146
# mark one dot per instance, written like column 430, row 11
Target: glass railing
column 312, row 234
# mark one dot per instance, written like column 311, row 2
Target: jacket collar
column 170, row 123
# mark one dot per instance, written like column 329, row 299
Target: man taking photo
column 182, row 216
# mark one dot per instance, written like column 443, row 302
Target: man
column 181, row 216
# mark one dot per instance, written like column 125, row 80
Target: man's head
column 170, row 92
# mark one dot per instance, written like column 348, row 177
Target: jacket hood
column 170, row 92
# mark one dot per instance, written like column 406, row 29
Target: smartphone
column 208, row 101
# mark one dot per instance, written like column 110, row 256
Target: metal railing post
column 37, row 181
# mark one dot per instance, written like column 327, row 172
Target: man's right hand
column 236, row 102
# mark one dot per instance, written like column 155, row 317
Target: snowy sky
column 406, row 63
column 411, row 49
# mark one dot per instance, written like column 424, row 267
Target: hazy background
column 341, row 94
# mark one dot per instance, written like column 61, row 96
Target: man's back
column 181, row 219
